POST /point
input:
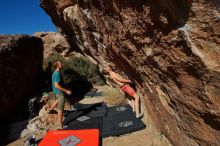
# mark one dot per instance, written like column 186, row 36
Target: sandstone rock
column 44, row 121
column 20, row 66
column 168, row 48
column 53, row 43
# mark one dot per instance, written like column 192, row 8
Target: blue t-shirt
column 56, row 78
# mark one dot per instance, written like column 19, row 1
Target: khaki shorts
column 61, row 101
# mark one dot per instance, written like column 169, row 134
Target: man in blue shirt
column 58, row 91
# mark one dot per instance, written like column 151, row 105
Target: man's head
column 106, row 69
column 57, row 65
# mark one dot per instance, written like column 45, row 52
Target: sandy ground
column 147, row 137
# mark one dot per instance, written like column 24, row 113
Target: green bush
column 80, row 65
column 84, row 67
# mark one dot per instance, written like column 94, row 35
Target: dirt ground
column 147, row 137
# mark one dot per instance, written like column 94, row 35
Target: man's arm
column 120, row 79
column 61, row 88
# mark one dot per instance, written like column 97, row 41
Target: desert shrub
column 78, row 67
column 84, row 67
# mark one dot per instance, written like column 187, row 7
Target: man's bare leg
column 131, row 103
column 136, row 106
column 60, row 118
column 53, row 105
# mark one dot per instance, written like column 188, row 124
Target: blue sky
column 23, row 17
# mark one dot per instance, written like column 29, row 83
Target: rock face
column 44, row 120
column 20, row 65
column 53, row 43
column 168, row 48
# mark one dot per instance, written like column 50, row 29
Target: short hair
column 106, row 66
column 55, row 63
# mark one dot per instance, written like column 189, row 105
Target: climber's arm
column 120, row 79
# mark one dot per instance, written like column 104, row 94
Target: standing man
column 58, row 91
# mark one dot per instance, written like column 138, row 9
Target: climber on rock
column 125, row 87
column 58, row 91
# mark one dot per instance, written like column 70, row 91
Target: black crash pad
column 81, row 106
column 111, row 121
column 89, row 110
column 94, row 123
column 120, row 120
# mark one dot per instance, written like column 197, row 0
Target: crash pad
column 94, row 123
column 91, row 110
column 88, row 137
column 120, row 120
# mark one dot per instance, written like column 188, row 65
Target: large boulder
column 168, row 48
column 53, row 43
column 20, row 68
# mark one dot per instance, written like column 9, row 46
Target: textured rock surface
column 169, row 48
column 53, row 43
column 20, row 64
column 44, row 121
